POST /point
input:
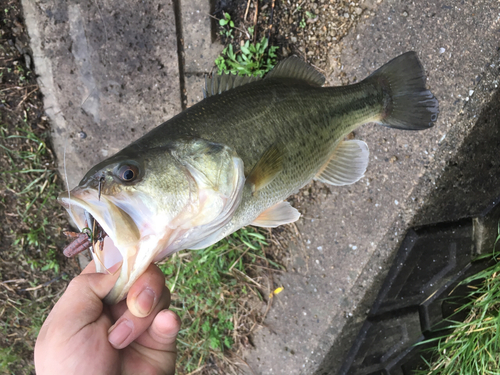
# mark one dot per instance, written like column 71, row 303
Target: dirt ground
column 307, row 28
column 32, row 269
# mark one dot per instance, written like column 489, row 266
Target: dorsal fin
column 219, row 83
column 294, row 67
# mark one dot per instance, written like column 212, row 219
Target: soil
column 30, row 244
column 312, row 29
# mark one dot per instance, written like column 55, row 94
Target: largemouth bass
column 232, row 159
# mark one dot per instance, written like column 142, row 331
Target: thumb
column 81, row 303
column 163, row 332
column 157, row 344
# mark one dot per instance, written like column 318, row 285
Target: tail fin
column 408, row 104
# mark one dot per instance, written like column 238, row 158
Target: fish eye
column 128, row 173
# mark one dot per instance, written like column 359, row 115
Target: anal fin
column 279, row 214
column 347, row 164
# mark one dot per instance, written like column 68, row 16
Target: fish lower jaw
column 109, row 258
column 134, row 263
column 106, row 253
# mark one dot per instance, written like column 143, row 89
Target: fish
column 232, row 160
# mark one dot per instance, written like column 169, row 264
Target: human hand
column 74, row 338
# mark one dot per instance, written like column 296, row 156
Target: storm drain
column 415, row 298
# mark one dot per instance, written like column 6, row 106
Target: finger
column 162, row 334
column 143, row 295
column 128, row 327
column 81, row 303
column 110, row 271
column 89, row 269
column 146, row 295
column 155, row 349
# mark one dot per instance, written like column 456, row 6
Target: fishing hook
column 100, row 183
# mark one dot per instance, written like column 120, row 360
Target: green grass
column 251, row 60
column 211, row 290
column 227, row 26
column 8, row 357
column 23, row 320
column 31, row 179
column 473, row 346
column 30, row 235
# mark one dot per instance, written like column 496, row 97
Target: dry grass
column 33, row 272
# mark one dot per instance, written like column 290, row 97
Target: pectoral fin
column 279, row 214
column 347, row 164
column 266, row 169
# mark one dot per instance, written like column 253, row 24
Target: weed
column 251, row 60
column 227, row 25
column 34, row 188
column 51, row 261
column 206, row 285
column 473, row 345
column 31, row 218
column 251, row 31
column 7, row 359
column 302, row 23
column 21, row 73
column 310, row 15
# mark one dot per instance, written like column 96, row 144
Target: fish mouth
column 115, row 234
column 127, row 232
column 108, row 261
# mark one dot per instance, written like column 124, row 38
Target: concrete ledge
column 199, row 49
column 108, row 72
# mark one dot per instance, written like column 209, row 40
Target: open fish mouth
column 126, row 233
column 113, row 233
column 93, row 237
column 110, row 228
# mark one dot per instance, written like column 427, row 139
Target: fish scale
column 261, row 114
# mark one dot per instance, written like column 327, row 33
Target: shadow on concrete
column 470, row 183
column 468, row 187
